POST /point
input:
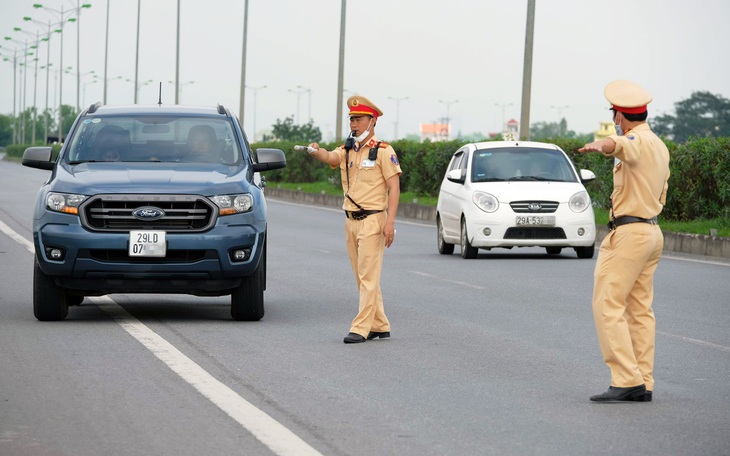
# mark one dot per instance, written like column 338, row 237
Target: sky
column 420, row 61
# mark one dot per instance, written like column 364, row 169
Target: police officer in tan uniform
column 371, row 184
column 629, row 255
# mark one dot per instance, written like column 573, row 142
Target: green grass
column 695, row 226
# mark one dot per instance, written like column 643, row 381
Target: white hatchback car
column 514, row 194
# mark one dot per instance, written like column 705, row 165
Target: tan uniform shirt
column 367, row 177
column 640, row 178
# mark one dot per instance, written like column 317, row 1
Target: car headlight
column 67, row 203
column 579, row 202
column 485, row 201
column 233, row 204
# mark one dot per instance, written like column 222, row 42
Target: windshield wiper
column 489, row 179
column 529, row 178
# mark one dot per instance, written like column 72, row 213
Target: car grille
column 534, row 233
column 188, row 213
column 544, row 207
column 172, row 256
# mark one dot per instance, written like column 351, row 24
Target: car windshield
column 154, row 138
column 520, row 163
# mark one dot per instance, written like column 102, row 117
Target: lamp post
column 504, row 107
column 298, row 92
column 61, row 15
column 255, row 90
column 397, row 114
column 24, row 85
column 178, row 89
column 36, row 46
column 560, row 117
column 47, row 39
column 448, row 118
column 15, row 72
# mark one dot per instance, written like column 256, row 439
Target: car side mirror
column 456, row 175
column 38, row 157
column 586, row 175
column 269, row 159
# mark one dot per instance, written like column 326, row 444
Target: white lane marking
column 16, row 237
column 270, row 432
column 693, row 260
column 695, row 341
column 432, row 276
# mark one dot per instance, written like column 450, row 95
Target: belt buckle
column 611, row 225
column 359, row 215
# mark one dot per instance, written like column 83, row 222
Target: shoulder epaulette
column 383, row 145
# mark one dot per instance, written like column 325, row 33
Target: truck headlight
column 233, row 204
column 67, row 203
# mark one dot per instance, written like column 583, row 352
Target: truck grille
column 534, row 207
column 188, row 213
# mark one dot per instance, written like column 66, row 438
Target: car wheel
column 444, row 247
column 585, row 252
column 467, row 251
column 247, row 301
column 50, row 302
column 553, row 250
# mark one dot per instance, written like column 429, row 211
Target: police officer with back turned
column 629, row 255
column 370, row 174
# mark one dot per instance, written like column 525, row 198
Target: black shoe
column 646, row 397
column 615, row 394
column 353, row 338
column 375, row 334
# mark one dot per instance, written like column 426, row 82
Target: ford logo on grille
column 148, row 213
column 534, row 206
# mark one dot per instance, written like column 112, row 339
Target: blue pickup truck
column 151, row 199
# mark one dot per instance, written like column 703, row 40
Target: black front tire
column 50, row 302
column 247, row 301
column 444, row 247
column 585, row 252
column 467, row 251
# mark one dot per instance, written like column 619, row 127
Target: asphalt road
column 493, row 356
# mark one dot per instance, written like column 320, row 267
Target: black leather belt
column 626, row 219
column 359, row 215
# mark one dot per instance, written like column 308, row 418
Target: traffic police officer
column 370, row 174
column 629, row 255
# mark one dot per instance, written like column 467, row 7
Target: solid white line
column 432, row 276
column 16, row 237
column 695, row 341
column 270, row 432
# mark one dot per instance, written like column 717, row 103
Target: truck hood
column 119, row 177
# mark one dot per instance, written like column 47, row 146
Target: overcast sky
column 463, row 58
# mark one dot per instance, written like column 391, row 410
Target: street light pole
column 255, row 90
column 448, row 118
column 397, row 114
column 527, row 72
column 136, row 58
column 298, row 92
column 242, row 102
column 504, row 107
column 106, row 49
column 560, row 117
column 340, row 73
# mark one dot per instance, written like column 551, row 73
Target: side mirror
column 586, row 175
column 269, row 159
column 38, row 157
column 455, row 175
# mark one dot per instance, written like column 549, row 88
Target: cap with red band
column 627, row 97
column 361, row 106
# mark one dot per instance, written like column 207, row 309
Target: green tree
column 701, row 115
column 286, row 131
column 6, row 130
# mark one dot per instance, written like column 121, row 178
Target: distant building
column 435, row 131
column 607, row 129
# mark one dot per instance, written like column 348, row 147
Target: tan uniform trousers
column 365, row 246
column 622, row 299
